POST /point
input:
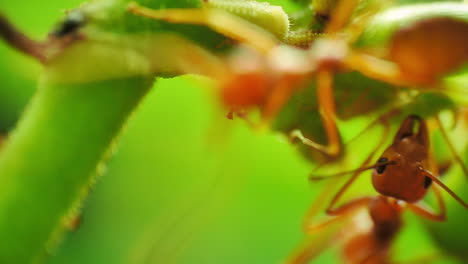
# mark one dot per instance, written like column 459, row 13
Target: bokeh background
column 185, row 184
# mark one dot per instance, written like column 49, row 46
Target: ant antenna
column 443, row 186
column 339, row 174
column 382, row 119
column 451, row 147
column 369, row 157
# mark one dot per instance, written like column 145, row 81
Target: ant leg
column 339, row 212
column 451, row 147
column 340, row 15
column 307, row 251
column 327, row 110
column 310, row 249
column 242, row 114
column 314, row 245
column 278, row 97
column 183, row 56
column 422, row 210
column 323, row 233
column 383, row 70
column 375, row 68
column 345, row 208
column 382, row 119
column 336, row 211
column 221, row 21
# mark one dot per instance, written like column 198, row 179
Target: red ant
column 268, row 77
column 402, row 176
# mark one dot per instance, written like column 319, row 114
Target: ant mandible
column 402, row 176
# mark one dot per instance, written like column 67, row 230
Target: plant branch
column 16, row 39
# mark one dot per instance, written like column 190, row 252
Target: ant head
column 253, row 77
column 245, row 90
column 247, row 84
column 399, row 172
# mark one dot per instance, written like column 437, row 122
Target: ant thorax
column 385, row 213
column 372, row 231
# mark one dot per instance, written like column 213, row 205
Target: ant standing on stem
column 402, row 176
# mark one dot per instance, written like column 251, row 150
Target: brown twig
column 16, row 39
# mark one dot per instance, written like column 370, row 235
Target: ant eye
column 427, row 182
column 380, row 169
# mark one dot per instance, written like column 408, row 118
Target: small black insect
column 73, row 21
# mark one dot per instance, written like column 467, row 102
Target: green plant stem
column 88, row 91
column 51, row 158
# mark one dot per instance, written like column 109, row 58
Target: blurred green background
column 185, row 185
